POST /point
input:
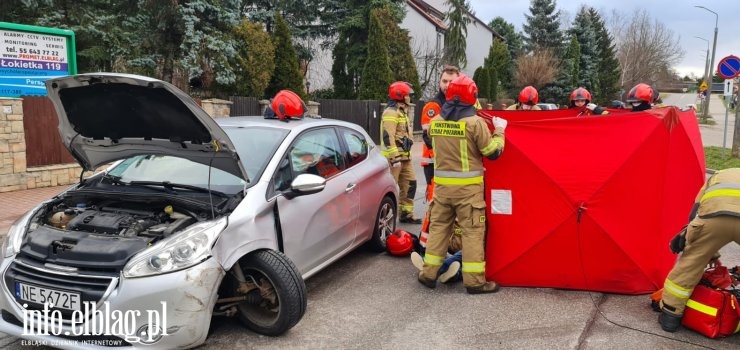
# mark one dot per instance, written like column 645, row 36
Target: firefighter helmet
column 399, row 91
column 400, row 243
column 529, row 95
column 462, row 89
column 288, row 104
column 641, row 93
column 580, row 94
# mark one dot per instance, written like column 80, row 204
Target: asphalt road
column 371, row 300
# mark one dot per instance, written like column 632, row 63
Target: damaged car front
column 125, row 257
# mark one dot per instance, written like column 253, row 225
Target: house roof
column 427, row 11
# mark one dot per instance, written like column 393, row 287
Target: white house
column 425, row 23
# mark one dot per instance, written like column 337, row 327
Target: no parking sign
column 729, row 67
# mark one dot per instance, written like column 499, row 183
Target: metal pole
column 727, row 118
column 736, row 136
column 711, row 65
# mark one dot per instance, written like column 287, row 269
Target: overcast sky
column 680, row 16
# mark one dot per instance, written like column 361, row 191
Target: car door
column 319, row 226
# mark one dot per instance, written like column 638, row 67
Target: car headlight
column 14, row 238
column 178, row 252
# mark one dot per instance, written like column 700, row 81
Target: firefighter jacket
column 431, row 109
column 459, row 148
column 517, row 107
column 395, row 131
column 720, row 195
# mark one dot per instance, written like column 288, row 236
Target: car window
column 256, row 146
column 160, row 168
column 356, row 146
column 314, row 152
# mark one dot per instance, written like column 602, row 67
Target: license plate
column 41, row 295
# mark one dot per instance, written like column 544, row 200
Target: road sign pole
column 736, row 136
column 724, row 133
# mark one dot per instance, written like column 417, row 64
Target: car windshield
column 254, row 145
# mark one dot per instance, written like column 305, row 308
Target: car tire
column 271, row 269
column 385, row 223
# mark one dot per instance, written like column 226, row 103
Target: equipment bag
column 712, row 312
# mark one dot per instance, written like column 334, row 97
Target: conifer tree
column 583, row 31
column 514, row 40
column 401, row 59
column 287, row 74
column 255, row 59
column 481, row 77
column 457, row 32
column 572, row 64
column 542, row 27
column 608, row 67
column 377, row 74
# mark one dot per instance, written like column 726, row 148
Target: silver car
column 194, row 218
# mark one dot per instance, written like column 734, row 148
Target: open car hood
column 104, row 117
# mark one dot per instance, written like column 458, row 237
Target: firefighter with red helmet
column 641, row 97
column 527, row 100
column 432, row 109
column 461, row 139
column 286, row 105
column 395, row 144
column 580, row 100
column 714, row 222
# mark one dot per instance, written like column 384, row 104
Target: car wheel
column 274, row 290
column 385, row 223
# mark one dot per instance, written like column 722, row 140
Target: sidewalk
column 16, row 203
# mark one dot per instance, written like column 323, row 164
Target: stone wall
column 217, row 108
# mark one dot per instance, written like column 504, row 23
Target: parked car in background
column 199, row 216
column 547, row 106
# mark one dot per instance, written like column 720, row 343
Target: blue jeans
column 446, row 265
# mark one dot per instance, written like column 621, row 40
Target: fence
column 364, row 113
column 244, row 106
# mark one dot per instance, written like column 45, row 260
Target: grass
column 713, row 157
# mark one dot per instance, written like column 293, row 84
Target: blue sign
column 729, row 67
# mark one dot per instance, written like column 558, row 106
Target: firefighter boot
column 426, row 282
column 488, row 287
column 669, row 321
column 408, row 218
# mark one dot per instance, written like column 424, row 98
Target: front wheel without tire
column 275, row 292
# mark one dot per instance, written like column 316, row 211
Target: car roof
column 294, row 124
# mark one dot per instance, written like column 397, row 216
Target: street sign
column 728, row 87
column 729, row 67
column 703, row 86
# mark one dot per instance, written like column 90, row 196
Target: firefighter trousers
column 471, row 216
column 406, row 180
column 704, row 238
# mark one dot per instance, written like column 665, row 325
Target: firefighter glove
column 500, row 123
column 679, row 242
column 406, row 144
column 591, row 106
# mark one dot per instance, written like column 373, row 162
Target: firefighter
column 396, row 144
column 641, row 97
column 527, row 100
column 715, row 221
column 432, row 109
column 461, row 139
column 580, row 100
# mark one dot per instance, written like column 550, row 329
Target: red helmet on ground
column 400, row 243
column 399, row 90
column 529, row 95
column 580, row 94
column 462, row 89
column 287, row 104
column 641, row 93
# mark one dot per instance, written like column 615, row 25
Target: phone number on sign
column 10, row 91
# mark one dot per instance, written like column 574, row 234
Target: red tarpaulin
column 591, row 202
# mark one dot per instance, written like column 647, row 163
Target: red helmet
column 400, row 243
column 529, row 95
column 641, row 93
column 399, row 90
column 287, row 104
column 580, row 94
column 462, row 89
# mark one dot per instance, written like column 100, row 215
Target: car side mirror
column 305, row 184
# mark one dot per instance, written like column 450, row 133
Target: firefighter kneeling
column 715, row 221
column 461, row 139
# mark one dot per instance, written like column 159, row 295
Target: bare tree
column 538, row 69
column 646, row 48
column 429, row 64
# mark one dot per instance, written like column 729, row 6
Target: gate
column 244, row 106
column 40, row 124
column 366, row 113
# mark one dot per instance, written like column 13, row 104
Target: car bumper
column 183, row 299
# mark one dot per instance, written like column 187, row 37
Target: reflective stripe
column 738, row 328
column 432, row 260
column 474, row 267
column 464, row 161
column 721, row 190
column 705, row 309
column 423, row 239
column 426, row 160
column 458, row 231
column 390, row 119
column 459, row 174
column 490, row 148
column 676, row 290
column 458, row 181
